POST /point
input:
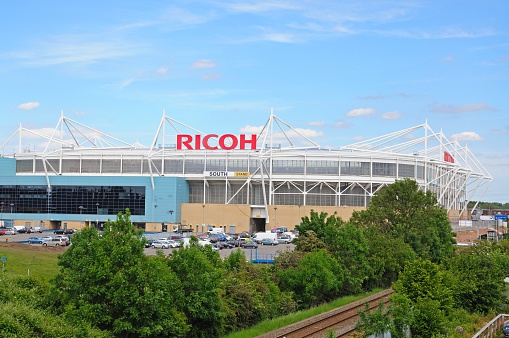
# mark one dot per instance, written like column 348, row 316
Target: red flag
column 448, row 157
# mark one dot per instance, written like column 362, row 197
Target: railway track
column 341, row 321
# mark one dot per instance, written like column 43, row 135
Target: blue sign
column 500, row 216
column 4, row 259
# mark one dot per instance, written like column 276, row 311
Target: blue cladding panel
column 169, row 192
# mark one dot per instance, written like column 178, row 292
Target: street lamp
column 2, row 217
column 171, row 213
column 97, row 208
column 275, row 217
column 202, row 217
column 81, row 213
column 155, row 211
column 12, row 206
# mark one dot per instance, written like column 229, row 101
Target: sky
column 340, row 71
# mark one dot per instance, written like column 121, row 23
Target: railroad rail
column 341, row 321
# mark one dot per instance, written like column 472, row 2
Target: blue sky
column 340, row 70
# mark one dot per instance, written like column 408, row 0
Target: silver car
column 160, row 245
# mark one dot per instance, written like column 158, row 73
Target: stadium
column 191, row 180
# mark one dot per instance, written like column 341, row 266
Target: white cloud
column 316, row 123
column 360, row 112
column 162, row 70
column 448, row 58
column 251, row 129
column 77, row 49
column 211, row 76
column 29, row 105
column 466, row 136
column 464, row 108
column 203, row 64
column 392, row 115
column 309, row 132
column 358, row 138
column 342, row 124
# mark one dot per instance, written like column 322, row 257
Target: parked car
column 149, row 242
column 269, row 241
column 505, row 330
column 8, row 231
column 217, row 245
column 35, row 240
column 54, row 241
column 250, row 245
column 229, row 244
column 173, row 244
column 64, row 238
column 285, row 239
column 64, row 231
column 160, row 245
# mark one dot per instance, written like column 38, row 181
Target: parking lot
column 263, row 251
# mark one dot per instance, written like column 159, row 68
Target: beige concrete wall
column 227, row 215
column 217, row 215
column 237, row 215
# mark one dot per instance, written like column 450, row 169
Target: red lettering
column 184, row 140
column 226, row 142
column 233, row 145
column 244, row 141
column 197, row 142
column 206, row 142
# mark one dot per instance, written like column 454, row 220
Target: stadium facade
column 241, row 182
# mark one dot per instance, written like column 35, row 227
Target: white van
column 261, row 235
column 216, row 231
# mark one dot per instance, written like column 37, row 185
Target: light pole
column 2, row 217
column 155, row 211
column 81, row 213
column 12, row 206
column 97, row 208
column 300, row 220
column 171, row 213
column 275, row 217
column 202, row 217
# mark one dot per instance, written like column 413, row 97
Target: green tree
column 321, row 224
column 107, row 280
column 425, row 290
column 317, row 279
column 375, row 322
column 250, row 295
column 480, row 271
column 343, row 240
column 403, row 211
column 386, row 258
column 24, row 312
column 200, row 274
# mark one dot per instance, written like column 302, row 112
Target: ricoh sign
column 216, row 142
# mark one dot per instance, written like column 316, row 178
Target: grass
column 27, row 262
column 276, row 323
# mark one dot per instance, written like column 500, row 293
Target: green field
column 28, row 262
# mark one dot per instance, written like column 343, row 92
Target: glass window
column 322, row 167
column 68, row 199
column 355, row 168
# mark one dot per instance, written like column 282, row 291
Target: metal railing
column 492, row 329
